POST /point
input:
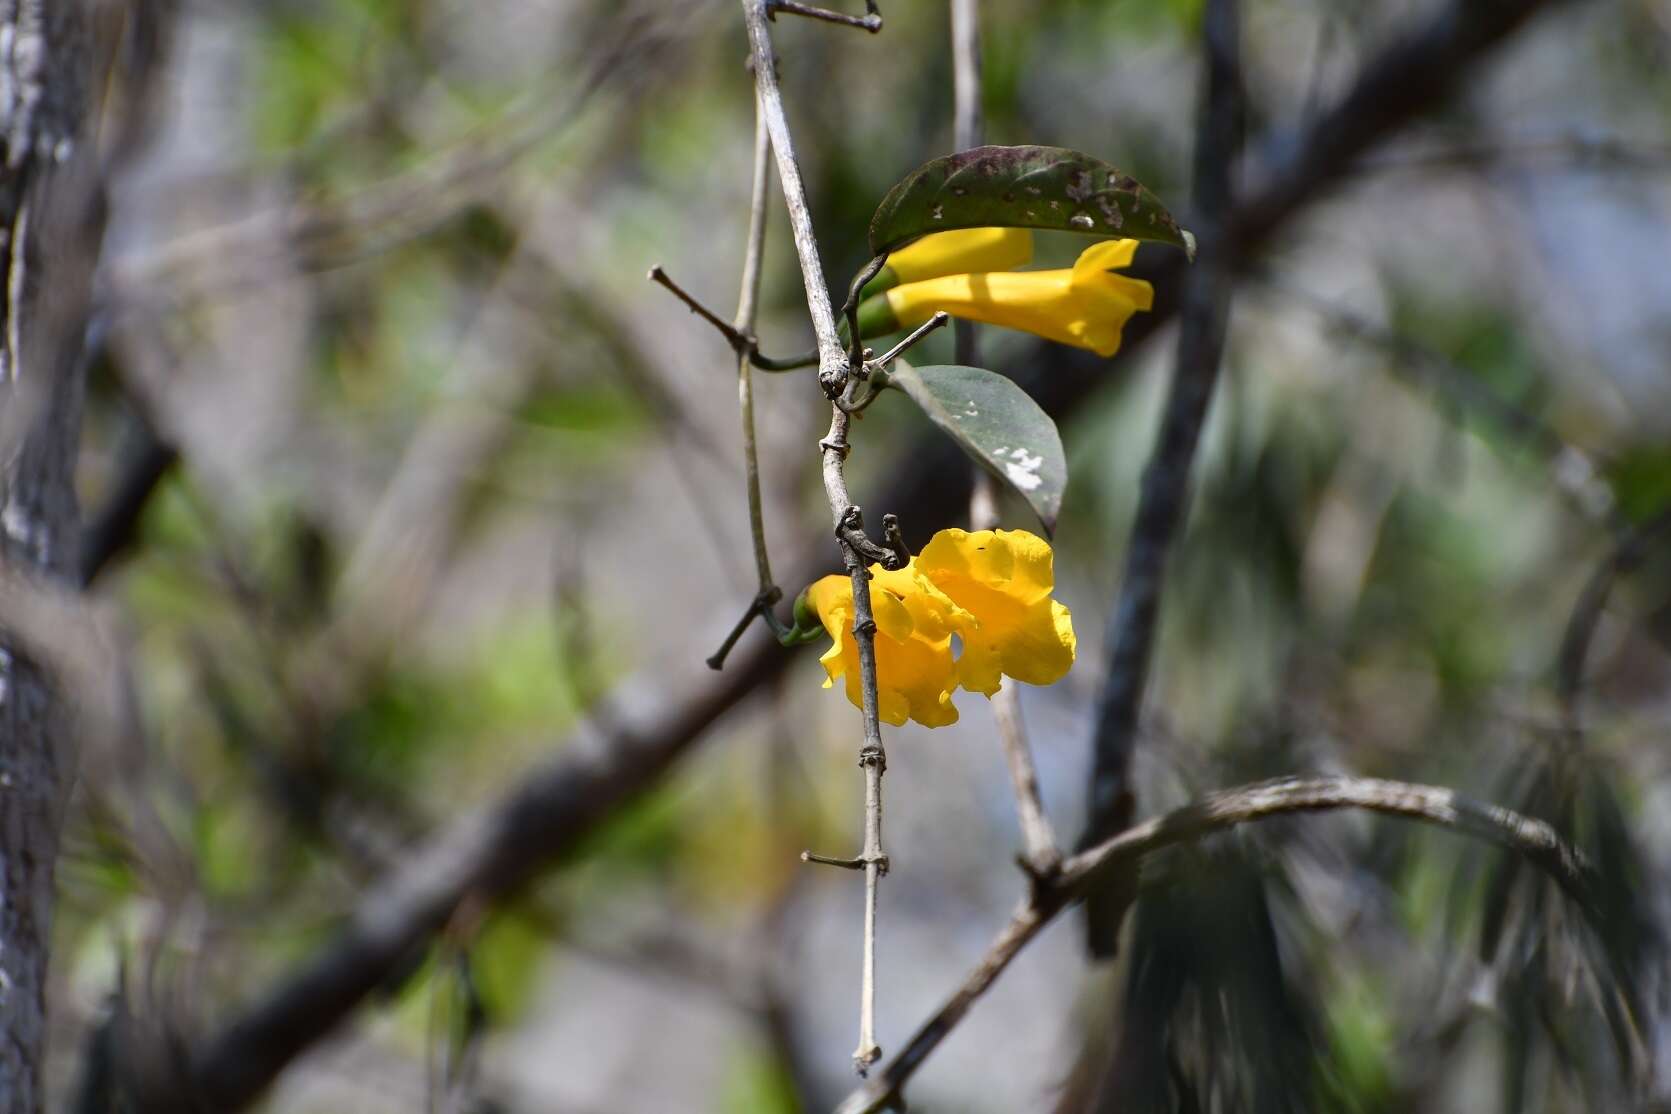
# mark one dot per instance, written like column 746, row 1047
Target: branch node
column 1043, row 868
column 895, row 539
column 761, row 606
column 834, row 382
column 893, row 556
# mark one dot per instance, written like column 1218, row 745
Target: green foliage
column 505, row 961
column 1022, row 187
column 997, row 425
column 759, row 1084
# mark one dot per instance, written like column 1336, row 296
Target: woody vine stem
column 838, row 370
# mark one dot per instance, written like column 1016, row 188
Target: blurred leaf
column 1542, row 947
column 998, row 425
column 1022, row 187
column 760, row 1084
column 504, row 960
column 1363, row 1040
column 1210, row 1009
column 1641, row 479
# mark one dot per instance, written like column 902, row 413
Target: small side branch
column 760, row 607
column 739, row 342
column 850, row 314
column 871, row 21
column 1217, row 812
column 742, row 340
column 937, row 321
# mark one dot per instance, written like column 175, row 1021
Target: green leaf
column 997, row 424
column 1022, row 187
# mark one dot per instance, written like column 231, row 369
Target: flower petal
column 1105, row 256
column 960, row 251
column 1003, row 578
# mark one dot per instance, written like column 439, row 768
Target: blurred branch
column 1610, row 153
column 1573, row 471
column 1164, row 503
column 482, row 858
column 1216, row 812
column 1631, row 548
column 319, row 235
column 387, row 580
column 1408, row 78
column 112, row 529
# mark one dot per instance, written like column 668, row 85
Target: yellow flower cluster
column 965, row 274
column 990, row 588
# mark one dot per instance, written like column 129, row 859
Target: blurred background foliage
column 455, row 486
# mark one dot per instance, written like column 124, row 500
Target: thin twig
column 748, row 298
column 738, row 341
column 1215, row 813
column 759, row 607
column 1165, row 497
column 850, row 312
column 784, row 363
column 834, row 373
column 1040, row 854
column 939, row 319
column 870, row 21
column 742, row 342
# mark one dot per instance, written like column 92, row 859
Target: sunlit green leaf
column 1022, row 187
column 997, row 424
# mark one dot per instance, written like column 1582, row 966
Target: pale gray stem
column 747, row 300
column 833, row 373
column 1216, row 812
column 966, row 73
column 831, row 358
column 1038, row 839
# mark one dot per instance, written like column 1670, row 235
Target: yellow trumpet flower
column 990, row 588
column 955, row 252
column 915, row 673
column 1084, row 305
column 1004, row 579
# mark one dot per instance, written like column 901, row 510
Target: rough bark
column 50, row 221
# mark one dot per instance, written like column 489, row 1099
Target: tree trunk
column 51, row 217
